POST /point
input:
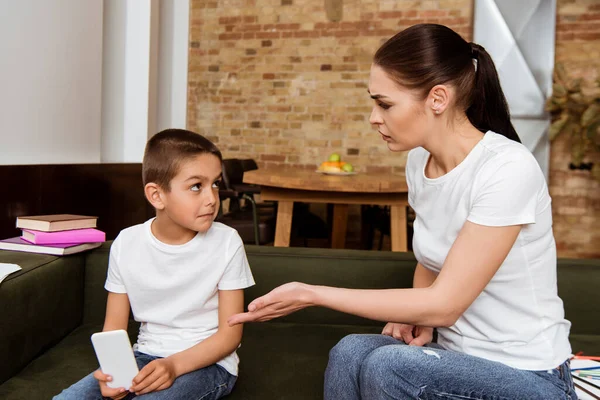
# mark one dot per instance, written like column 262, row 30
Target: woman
column 486, row 272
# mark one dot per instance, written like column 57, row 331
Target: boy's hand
column 106, row 391
column 156, row 375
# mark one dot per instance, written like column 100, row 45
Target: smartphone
column 115, row 355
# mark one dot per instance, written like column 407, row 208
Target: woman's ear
column 439, row 99
column 154, row 195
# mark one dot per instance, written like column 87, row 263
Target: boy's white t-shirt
column 173, row 289
column 518, row 319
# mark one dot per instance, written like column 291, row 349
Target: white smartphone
column 115, row 355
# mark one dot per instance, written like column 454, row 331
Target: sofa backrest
column 273, row 266
column 579, row 288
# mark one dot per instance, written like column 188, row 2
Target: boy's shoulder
column 131, row 234
column 218, row 228
column 218, row 232
column 133, row 231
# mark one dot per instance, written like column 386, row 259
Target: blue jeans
column 374, row 367
column 209, row 383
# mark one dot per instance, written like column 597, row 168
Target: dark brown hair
column 166, row 150
column 425, row 55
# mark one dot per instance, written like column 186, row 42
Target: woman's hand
column 157, row 375
column 279, row 302
column 106, row 391
column 409, row 334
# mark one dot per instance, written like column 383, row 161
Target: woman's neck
column 449, row 147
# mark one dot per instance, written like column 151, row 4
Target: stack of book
column 59, row 234
column 586, row 376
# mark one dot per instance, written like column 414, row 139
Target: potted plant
column 575, row 111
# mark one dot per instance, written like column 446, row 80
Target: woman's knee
column 346, row 346
column 395, row 359
column 382, row 368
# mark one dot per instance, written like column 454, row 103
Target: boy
column 182, row 275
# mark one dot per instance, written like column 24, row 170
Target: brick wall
column 575, row 195
column 277, row 81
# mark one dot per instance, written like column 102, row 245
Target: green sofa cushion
column 264, row 372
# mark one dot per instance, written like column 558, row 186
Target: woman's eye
column 216, row 184
column 195, row 188
column 383, row 105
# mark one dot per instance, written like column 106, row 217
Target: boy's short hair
column 166, row 150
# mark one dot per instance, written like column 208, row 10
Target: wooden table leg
column 340, row 223
column 283, row 227
column 398, row 228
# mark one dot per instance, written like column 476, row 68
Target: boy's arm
column 117, row 312
column 219, row 345
column 161, row 373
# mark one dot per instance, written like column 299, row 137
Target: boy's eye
column 217, row 184
column 383, row 105
column 195, row 188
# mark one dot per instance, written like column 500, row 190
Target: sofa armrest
column 39, row 305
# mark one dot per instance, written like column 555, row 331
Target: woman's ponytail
column 489, row 109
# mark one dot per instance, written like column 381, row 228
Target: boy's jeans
column 374, row 367
column 210, row 383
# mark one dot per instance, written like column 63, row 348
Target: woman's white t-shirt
column 173, row 290
column 518, row 319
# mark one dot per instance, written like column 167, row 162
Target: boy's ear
column 154, row 195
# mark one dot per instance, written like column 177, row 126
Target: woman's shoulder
column 500, row 147
column 416, row 159
column 504, row 158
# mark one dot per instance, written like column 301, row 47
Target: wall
column 144, row 74
column 576, row 196
column 277, row 81
column 51, row 81
column 285, row 85
column 90, row 81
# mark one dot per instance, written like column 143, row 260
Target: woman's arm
column 423, row 277
column 410, row 334
column 471, row 263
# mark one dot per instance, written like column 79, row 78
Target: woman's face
column 398, row 114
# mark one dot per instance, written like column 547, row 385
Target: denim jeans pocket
column 561, row 378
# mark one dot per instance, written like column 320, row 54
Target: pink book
column 62, row 237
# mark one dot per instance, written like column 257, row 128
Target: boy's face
column 193, row 201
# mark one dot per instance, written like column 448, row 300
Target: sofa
column 49, row 309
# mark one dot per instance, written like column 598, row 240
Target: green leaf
column 558, row 90
column 590, row 114
column 577, row 98
column 596, row 171
column 559, row 72
column 557, row 126
column 574, row 86
column 578, row 147
column 593, row 134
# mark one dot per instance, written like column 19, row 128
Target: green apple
column 347, row 167
column 334, row 157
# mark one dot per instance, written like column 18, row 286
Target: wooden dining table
column 287, row 185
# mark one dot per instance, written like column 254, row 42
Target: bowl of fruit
column 335, row 166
